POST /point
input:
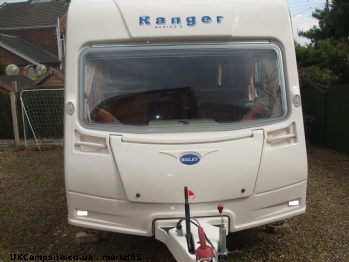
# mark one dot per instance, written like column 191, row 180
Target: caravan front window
column 161, row 87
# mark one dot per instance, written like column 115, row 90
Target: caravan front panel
column 164, row 94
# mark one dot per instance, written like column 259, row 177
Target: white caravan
column 197, row 96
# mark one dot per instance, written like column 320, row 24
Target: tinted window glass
column 171, row 86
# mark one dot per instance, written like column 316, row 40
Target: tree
column 329, row 42
column 333, row 22
column 315, row 76
column 2, row 70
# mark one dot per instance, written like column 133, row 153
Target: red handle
column 220, row 209
column 203, row 251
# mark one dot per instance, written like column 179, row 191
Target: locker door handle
column 89, row 144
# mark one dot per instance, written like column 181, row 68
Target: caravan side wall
column 163, row 94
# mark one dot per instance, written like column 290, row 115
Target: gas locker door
column 154, row 168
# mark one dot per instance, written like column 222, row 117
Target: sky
column 301, row 14
column 10, row 1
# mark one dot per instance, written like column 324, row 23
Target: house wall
column 52, row 80
column 45, row 38
column 7, row 58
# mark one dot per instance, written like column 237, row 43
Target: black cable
column 180, row 222
column 179, row 226
column 194, row 223
column 215, row 251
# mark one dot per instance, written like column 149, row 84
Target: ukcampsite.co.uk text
column 56, row 257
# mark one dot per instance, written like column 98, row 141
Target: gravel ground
column 33, row 216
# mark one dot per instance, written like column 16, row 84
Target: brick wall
column 7, row 58
column 44, row 38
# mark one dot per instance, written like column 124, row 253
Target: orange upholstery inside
column 104, row 116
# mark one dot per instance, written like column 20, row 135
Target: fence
column 6, row 131
column 6, row 123
column 326, row 115
column 42, row 114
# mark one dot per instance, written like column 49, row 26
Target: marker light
column 81, row 213
column 293, row 203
